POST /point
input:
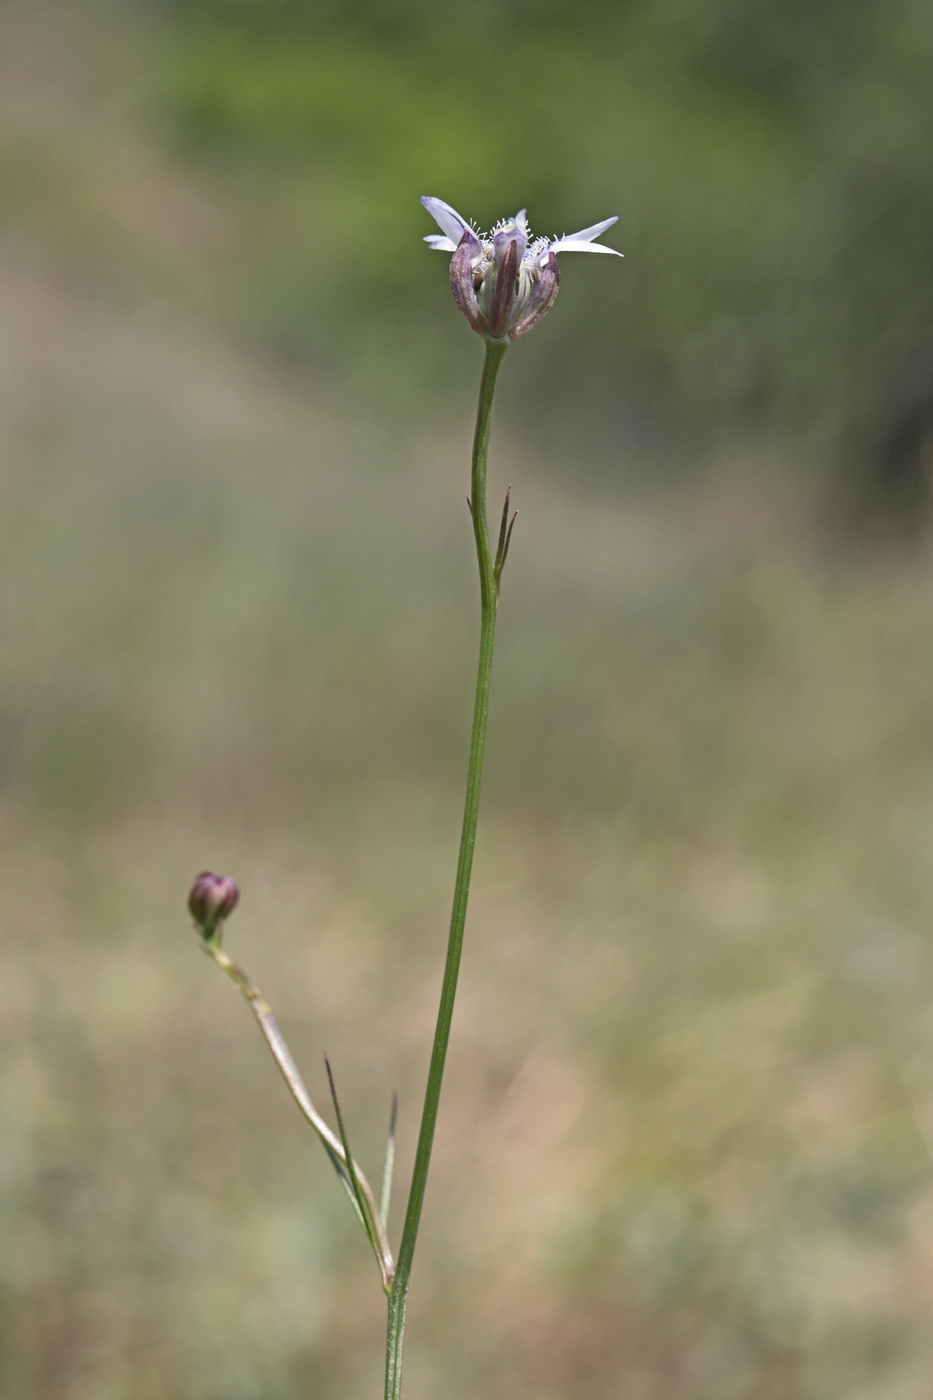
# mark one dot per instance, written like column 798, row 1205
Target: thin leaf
column 502, row 529
column 362, row 1203
column 389, row 1167
column 345, row 1182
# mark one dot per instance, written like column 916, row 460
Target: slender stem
column 398, row 1296
column 347, row 1171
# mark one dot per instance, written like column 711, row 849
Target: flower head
column 212, row 899
column 504, row 281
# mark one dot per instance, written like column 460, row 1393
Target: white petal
column 446, row 218
column 573, row 245
column 586, row 235
column 521, row 222
column 440, row 243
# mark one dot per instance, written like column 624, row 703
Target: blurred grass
column 685, row 1153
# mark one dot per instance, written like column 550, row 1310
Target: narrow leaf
column 500, row 547
column 389, row 1167
column 361, row 1202
column 345, row 1181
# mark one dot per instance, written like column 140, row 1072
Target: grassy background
column 685, row 1152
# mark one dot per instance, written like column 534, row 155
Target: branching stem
column 354, row 1182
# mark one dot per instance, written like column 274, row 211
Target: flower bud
column 213, row 898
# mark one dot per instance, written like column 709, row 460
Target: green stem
column 398, row 1296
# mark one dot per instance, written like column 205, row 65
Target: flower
column 212, row 899
column 504, row 281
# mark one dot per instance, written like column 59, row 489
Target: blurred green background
column 685, row 1151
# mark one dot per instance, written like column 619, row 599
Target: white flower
column 504, row 281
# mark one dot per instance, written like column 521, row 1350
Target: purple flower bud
column 213, row 898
